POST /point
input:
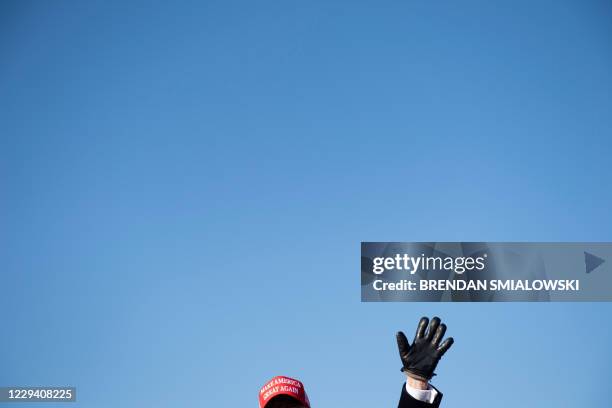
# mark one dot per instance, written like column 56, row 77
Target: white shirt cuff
column 428, row 395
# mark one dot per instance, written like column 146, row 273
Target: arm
column 408, row 398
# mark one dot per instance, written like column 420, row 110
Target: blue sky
column 185, row 186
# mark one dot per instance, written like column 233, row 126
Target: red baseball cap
column 282, row 385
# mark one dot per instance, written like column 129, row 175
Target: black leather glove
column 421, row 358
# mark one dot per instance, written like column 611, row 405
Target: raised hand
column 421, row 358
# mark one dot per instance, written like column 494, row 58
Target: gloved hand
column 421, row 358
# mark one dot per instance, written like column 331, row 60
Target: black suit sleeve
column 406, row 401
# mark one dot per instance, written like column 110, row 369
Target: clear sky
column 185, row 185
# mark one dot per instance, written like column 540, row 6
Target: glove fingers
column 445, row 346
column 437, row 338
column 433, row 326
column 420, row 332
column 402, row 344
